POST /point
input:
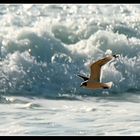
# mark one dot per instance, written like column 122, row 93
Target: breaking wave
column 64, row 40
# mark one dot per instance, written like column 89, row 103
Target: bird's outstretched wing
column 95, row 68
column 83, row 77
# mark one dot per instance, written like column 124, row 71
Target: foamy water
column 43, row 91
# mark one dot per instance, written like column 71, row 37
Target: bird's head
column 115, row 55
column 83, row 84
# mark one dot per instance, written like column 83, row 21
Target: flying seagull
column 93, row 82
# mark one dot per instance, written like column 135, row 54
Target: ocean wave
column 64, row 45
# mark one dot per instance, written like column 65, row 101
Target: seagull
column 93, row 81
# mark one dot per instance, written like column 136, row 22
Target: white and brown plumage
column 93, row 82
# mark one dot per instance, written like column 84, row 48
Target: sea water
column 40, row 93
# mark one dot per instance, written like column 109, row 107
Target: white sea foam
column 64, row 39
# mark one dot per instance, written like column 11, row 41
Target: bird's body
column 97, row 85
column 93, row 82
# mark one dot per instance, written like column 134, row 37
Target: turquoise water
column 41, row 94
